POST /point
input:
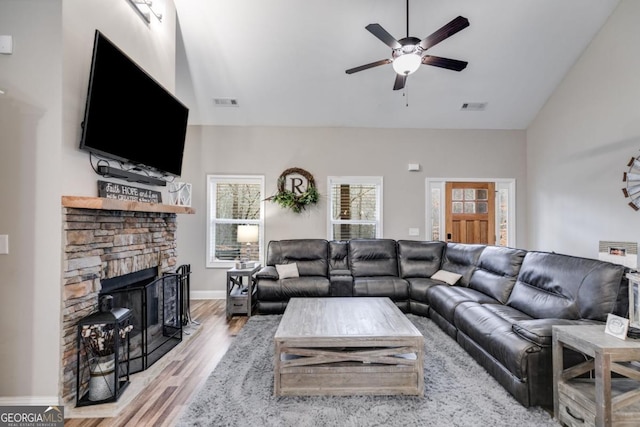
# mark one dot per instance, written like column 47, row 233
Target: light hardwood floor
column 162, row 401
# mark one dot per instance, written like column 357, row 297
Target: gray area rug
column 458, row 392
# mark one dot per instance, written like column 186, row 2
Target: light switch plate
column 414, row 232
column 6, row 45
column 4, row 244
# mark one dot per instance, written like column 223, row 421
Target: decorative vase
column 102, row 374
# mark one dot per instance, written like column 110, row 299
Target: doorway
column 470, row 210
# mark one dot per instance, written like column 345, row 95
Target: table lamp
column 248, row 234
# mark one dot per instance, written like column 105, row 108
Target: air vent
column 226, row 102
column 474, row 106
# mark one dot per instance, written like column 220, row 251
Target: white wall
column 46, row 81
column 334, row 152
column 580, row 143
column 30, row 137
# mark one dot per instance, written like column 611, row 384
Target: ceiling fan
column 407, row 53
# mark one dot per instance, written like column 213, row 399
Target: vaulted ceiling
column 284, row 61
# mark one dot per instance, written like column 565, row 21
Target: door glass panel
column 503, row 216
column 469, row 194
column 469, row 207
column 457, row 194
column 435, row 213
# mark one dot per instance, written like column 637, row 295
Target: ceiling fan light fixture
column 407, row 64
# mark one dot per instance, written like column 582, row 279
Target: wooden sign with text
column 111, row 190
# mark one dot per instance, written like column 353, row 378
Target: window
column 355, row 207
column 234, row 201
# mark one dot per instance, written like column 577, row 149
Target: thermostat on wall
column 6, row 45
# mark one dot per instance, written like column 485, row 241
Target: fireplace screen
column 155, row 308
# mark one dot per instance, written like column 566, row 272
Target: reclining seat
column 374, row 266
column 418, row 261
column 310, row 258
column 513, row 341
column 493, row 275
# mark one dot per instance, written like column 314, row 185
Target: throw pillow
column 286, row 271
column 447, row 276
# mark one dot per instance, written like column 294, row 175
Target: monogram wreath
column 289, row 199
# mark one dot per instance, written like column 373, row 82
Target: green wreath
column 289, row 199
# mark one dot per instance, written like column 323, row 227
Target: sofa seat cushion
column 283, row 289
column 418, row 287
column 444, row 299
column 490, row 326
column 540, row 331
column 381, row 286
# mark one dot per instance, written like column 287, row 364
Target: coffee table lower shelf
column 367, row 371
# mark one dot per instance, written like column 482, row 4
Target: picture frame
column 617, row 326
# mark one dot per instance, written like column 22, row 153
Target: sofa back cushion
column 565, row 287
column 497, row 271
column 373, row 257
column 461, row 258
column 310, row 255
column 419, row 259
column 339, row 256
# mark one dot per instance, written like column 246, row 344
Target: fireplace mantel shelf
column 122, row 205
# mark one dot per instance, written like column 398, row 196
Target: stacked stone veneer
column 101, row 244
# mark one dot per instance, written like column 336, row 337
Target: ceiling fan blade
column 449, row 64
column 457, row 24
column 367, row 66
column 383, row 35
column 401, row 79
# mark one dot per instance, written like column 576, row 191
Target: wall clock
column 632, row 180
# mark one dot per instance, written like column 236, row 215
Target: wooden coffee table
column 347, row 346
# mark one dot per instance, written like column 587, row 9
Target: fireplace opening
column 155, row 305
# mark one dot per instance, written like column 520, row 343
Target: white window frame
column 212, row 182
column 355, row 180
column 508, row 184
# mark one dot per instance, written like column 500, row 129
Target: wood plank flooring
column 162, row 401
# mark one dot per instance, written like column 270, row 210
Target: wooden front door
column 470, row 212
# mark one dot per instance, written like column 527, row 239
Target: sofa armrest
column 539, row 331
column 339, row 272
column 268, row 272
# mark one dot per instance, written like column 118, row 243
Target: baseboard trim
column 208, row 295
column 30, row 401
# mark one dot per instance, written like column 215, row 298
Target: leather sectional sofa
column 499, row 305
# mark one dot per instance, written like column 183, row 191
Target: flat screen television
column 129, row 116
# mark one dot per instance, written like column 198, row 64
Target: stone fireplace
column 101, row 241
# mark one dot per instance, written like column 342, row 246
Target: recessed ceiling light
column 226, row 102
column 474, row 106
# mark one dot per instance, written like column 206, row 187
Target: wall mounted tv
column 129, row 116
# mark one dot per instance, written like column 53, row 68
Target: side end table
column 597, row 400
column 241, row 295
